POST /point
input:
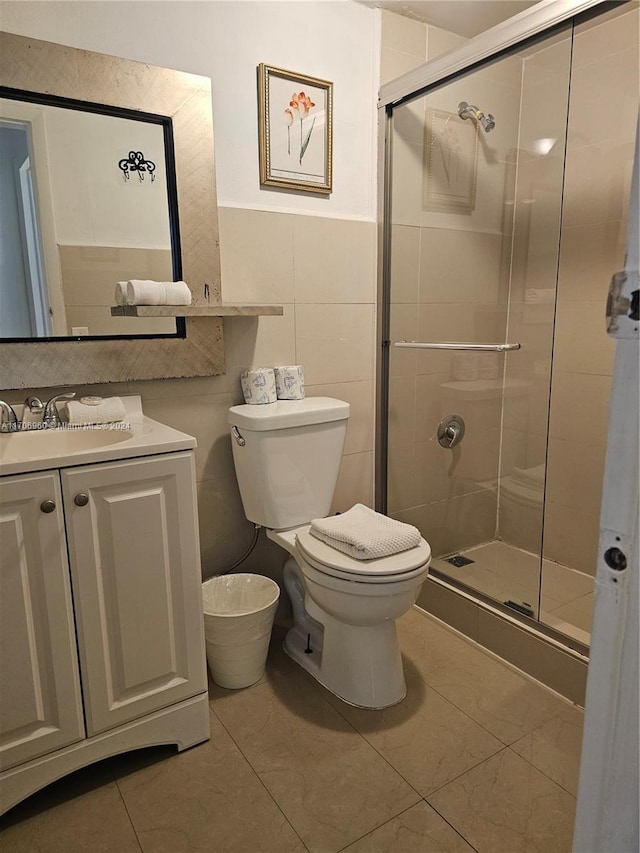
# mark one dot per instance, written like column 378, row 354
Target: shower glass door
column 477, row 170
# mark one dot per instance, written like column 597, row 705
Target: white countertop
column 38, row 450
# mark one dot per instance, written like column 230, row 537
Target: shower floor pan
column 506, row 573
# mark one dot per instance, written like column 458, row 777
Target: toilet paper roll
column 259, row 385
column 289, row 382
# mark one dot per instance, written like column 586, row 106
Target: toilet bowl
column 287, row 456
column 345, row 611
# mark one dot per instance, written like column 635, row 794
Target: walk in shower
column 507, row 191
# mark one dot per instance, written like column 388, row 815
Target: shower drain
column 459, row 561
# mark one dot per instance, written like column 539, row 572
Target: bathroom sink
column 38, row 444
column 39, row 449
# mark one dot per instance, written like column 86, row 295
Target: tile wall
column 323, row 271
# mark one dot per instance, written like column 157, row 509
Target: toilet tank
column 287, row 456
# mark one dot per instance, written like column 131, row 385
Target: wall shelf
column 222, row 310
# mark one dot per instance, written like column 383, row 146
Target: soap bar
column 91, row 401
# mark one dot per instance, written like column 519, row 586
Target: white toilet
column 287, row 456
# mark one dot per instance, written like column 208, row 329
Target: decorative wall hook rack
column 136, row 162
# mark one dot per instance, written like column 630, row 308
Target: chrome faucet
column 34, row 404
column 51, row 416
column 8, row 418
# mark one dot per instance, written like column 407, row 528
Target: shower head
column 466, row 110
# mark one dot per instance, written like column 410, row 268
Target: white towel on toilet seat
column 364, row 534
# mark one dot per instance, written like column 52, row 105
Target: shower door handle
column 447, row 345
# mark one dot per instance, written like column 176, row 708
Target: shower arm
column 457, row 346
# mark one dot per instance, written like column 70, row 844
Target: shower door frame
column 537, row 21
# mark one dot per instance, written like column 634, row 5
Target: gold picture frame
column 451, row 163
column 295, row 130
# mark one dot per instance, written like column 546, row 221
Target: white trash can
column 238, row 617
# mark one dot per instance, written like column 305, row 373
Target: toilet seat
column 329, row 561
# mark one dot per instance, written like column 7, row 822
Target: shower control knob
column 451, row 431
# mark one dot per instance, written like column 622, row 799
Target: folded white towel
column 146, row 292
column 364, row 534
column 121, row 293
column 109, row 411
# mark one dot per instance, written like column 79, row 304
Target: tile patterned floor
column 477, row 757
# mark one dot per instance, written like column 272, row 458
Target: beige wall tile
column 520, row 520
column 225, row 533
column 406, row 187
column 404, row 487
column 394, row 63
column 596, row 116
column 335, row 343
column 401, row 417
column 605, row 196
column 574, row 474
column 334, row 260
column 402, row 33
column 405, row 263
column 441, row 41
column 205, row 418
column 403, row 326
column 459, row 266
column 581, row 341
column 360, row 396
column 580, row 407
column 259, row 341
column 571, row 536
column 589, row 255
column 451, row 525
column 615, row 31
column 256, row 254
column 355, row 482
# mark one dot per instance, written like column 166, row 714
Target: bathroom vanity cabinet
column 101, row 631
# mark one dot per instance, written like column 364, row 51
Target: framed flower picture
column 295, row 130
column 451, row 163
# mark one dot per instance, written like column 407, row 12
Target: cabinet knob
column 48, row 506
column 81, row 499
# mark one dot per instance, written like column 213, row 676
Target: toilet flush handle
column 235, row 432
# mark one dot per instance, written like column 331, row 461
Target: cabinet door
column 135, row 566
column 40, row 700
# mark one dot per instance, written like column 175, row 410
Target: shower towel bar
column 457, row 346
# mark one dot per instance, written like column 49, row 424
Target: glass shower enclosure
column 507, row 192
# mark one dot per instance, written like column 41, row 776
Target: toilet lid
column 325, row 558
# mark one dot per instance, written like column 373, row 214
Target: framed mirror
column 74, row 222
column 94, row 250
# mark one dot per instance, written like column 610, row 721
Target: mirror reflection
column 74, row 222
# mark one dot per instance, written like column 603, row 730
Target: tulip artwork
column 295, row 130
column 301, row 103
